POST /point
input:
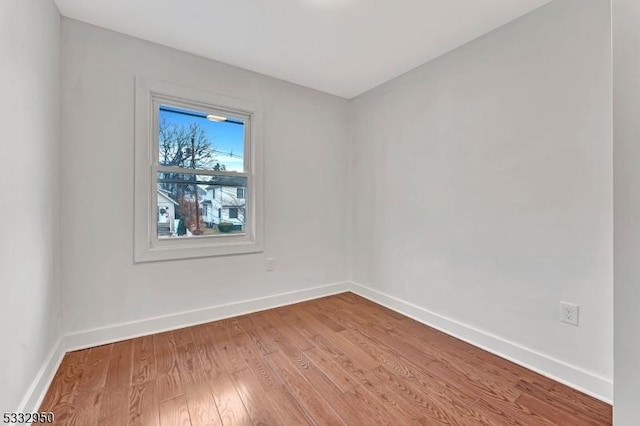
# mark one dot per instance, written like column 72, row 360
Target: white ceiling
column 342, row 47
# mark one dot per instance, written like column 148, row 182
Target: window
column 187, row 144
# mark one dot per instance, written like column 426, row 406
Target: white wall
column 304, row 136
column 483, row 186
column 626, row 161
column 29, row 195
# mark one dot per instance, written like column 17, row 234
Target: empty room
column 297, row 212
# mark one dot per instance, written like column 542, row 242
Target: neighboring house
column 166, row 213
column 218, row 203
column 225, row 203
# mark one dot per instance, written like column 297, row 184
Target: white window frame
column 147, row 246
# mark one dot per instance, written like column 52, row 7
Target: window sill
column 166, row 252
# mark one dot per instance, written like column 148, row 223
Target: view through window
column 200, row 173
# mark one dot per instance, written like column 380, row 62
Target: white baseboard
column 100, row 336
column 570, row 375
column 36, row 392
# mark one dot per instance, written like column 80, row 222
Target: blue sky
column 224, row 136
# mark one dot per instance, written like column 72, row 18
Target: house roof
column 228, row 181
column 164, row 194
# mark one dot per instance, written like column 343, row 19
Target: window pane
column 191, row 205
column 200, row 139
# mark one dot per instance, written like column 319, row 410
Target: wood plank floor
column 336, row 360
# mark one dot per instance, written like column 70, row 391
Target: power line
column 229, row 154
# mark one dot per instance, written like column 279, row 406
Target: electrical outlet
column 569, row 313
column 270, row 261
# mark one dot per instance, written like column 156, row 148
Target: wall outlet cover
column 569, row 313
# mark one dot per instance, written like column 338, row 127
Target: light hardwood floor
column 336, row 360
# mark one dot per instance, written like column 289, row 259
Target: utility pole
column 195, row 178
